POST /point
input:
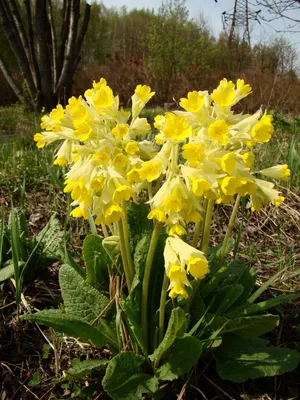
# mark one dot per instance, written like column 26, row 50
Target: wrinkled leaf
column 124, row 379
column 80, row 369
column 176, row 328
column 240, row 359
column 69, row 325
column 181, row 357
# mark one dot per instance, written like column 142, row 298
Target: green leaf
column 240, row 359
column 80, row 369
column 138, row 222
column 36, row 379
column 52, row 239
column 263, row 287
column 80, row 299
column 210, row 285
column 6, row 272
column 247, row 327
column 139, row 260
column 182, row 356
column 69, row 325
column 132, row 316
column 265, row 305
column 83, row 301
column 124, row 379
column 96, row 261
column 226, row 297
column 20, row 218
column 176, row 328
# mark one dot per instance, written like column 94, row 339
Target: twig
column 218, row 387
column 21, row 383
column 103, row 311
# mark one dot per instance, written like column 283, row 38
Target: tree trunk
column 47, row 62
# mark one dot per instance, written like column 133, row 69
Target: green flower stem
column 199, row 225
column 206, row 226
column 230, row 227
column 127, row 246
column 174, row 161
column 162, row 307
column 104, row 230
column 128, row 274
column 146, row 279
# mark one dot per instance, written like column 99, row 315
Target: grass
column 269, row 240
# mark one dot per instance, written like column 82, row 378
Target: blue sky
column 212, row 11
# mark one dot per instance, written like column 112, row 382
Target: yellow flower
column 198, row 267
column 246, row 186
column 194, row 216
column 78, row 112
column 122, row 193
column 194, row 101
column 97, row 184
column 150, row 170
column 133, row 176
column 79, row 212
column 113, row 214
column 263, row 130
column 40, row 139
column 248, row 159
column 174, row 202
column 157, row 214
column 131, row 148
column 177, row 229
column 83, row 130
column 243, row 89
column 101, row 96
column 57, row 113
column 199, row 186
column 120, row 131
column 229, row 185
column 102, row 157
column 176, row 273
column 176, row 128
column 193, row 152
column 224, row 95
column 120, row 160
column 144, row 93
column 277, row 172
column 278, row 201
column 159, row 121
column 219, row 131
column 60, row 161
column 178, row 290
column 228, row 162
column 141, row 96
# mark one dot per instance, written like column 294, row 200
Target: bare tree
column 47, row 59
column 281, row 9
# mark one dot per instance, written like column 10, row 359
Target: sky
column 212, row 12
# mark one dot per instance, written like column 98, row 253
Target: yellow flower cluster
column 202, row 153
column 100, row 145
column 180, row 260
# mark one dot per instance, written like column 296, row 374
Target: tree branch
column 12, row 34
column 54, row 44
column 70, row 45
column 11, row 81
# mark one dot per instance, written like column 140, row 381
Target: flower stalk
column 146, row 280
column 230, row 227
column 206, row 226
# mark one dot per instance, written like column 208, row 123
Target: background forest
column 127, row 47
